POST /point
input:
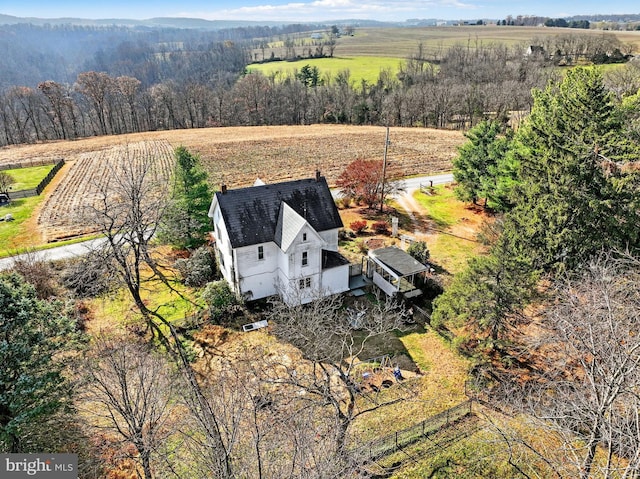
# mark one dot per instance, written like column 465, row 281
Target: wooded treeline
column 166, row 80
column 35, row 53
column 207, row 87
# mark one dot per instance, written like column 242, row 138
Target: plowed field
column 233, row 156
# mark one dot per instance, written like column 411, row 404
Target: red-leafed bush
column 380, row 227
column 358, row 226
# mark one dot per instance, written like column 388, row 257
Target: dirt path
column 415, row 212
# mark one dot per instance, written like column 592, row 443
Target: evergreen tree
column 186, row 223
column 488, row 297
column 568, row 206
column 33, row 388
column 483, row 169
column 575, row 196
column 419, row 251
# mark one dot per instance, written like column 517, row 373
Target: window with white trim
column 305, row 258
column 260, row 252
column 304, row 283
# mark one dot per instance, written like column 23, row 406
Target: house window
column 304, row 283
column 305, row 258
column 260, row 252
column 304, row 236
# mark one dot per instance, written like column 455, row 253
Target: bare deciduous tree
column 331, row 343
column 276, row 428
column 128, row 211
column 130, row 389
column 589, row 394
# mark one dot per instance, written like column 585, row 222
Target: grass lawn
column 28, row 178
column 360, row 68
column 118, row 310
column 454, row 240
column 11, row 231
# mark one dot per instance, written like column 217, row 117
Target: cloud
column 319, row 10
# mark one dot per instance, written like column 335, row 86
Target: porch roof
column 397, row 261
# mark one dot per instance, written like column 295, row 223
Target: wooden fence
column 396, row 441
column 41, row 186
column 27, row 164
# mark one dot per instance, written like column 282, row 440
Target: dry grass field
column 234, row 156
column 403, row 42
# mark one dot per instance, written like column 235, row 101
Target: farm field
column 403, row 42
column 366, row 68
column 233, row 156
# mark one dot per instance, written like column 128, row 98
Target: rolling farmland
column 234, row 156
column 63, row 213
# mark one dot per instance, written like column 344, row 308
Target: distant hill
column 201, row 24
column 174, row 22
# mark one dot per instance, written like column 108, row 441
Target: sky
column 306, row 11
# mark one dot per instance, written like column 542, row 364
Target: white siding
column 335, row 280
column 330, row 238
column 225, row 254
column 258, row 275
column 281, row 271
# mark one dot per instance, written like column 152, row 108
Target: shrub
column 219, row 298
column 419, row 251
column 358, row 226
column 199, row 268
column 38, row 273
column 381, row 227
column 345, row 202
column 89, row 276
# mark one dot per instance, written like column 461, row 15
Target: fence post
column 447, row 417
column 423, row 428
column 396, row 440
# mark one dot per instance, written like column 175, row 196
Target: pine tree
column 33, row 388
column 186, row 222
column 483, row 169
column 568, row 206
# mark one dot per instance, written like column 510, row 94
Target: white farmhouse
column 280, row 239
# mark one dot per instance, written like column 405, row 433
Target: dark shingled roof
column 251, row 214
column 398, row 261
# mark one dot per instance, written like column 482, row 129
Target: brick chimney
column 317, row 174
column 223, row 188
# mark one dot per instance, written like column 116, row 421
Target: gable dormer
column 293, row 229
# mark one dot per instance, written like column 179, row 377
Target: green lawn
column 361, row 68
column 28, row 178
column 442, row 207
column 456, row 242
column 21, row 210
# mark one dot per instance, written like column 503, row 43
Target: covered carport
column 394, row 271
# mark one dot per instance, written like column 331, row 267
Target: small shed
column 394, row 271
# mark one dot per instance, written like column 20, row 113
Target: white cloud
column 321, row 10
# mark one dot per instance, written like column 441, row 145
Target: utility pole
column 384, row 170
